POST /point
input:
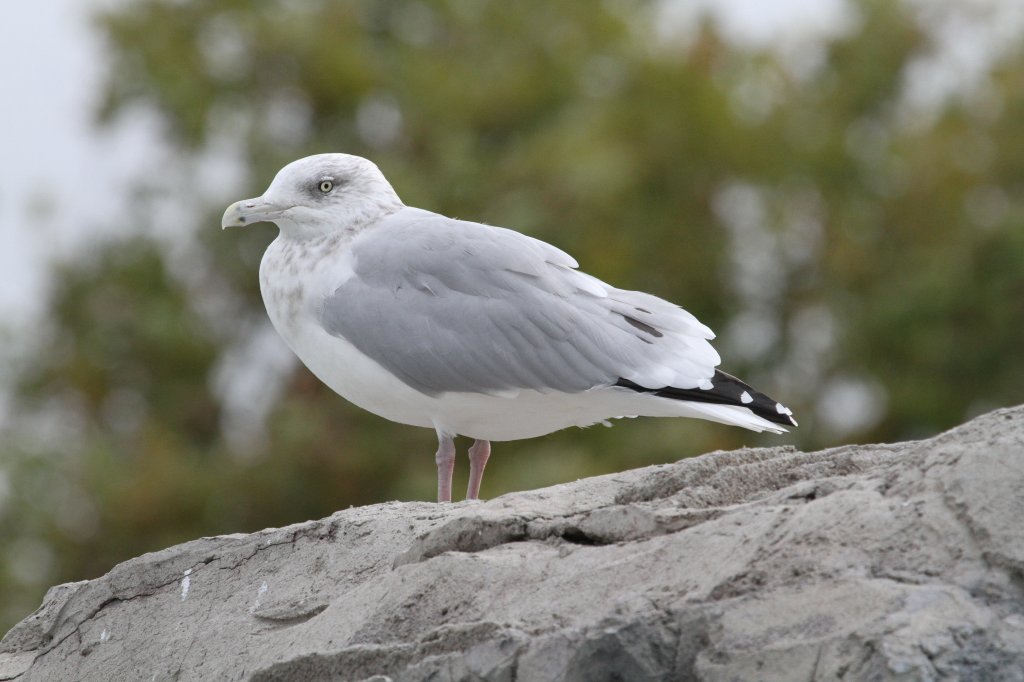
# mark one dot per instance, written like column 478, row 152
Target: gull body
column 470, row 329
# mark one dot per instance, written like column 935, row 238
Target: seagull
column 471, row 329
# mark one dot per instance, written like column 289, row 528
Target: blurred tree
column 863, row 260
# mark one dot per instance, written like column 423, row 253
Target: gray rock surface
column 867, row 562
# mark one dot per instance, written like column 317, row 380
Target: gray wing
column 448, row 305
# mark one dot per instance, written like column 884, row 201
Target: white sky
column 59, row 176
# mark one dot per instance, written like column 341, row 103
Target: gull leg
column 478, row 454
column 445, row 459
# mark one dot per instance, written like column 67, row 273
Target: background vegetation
column 858, row 246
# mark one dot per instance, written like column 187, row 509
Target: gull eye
column 326, row 186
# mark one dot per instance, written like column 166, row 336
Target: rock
column 872, row 562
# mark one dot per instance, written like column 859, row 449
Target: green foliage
column 862, row 246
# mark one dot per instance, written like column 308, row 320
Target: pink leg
column 445, row 459
column 478, row 454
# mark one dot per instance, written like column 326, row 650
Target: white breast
column 292, row 295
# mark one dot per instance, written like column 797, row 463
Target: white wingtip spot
column 782, row 409
column 745, row 398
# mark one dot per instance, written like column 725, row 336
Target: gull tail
column 727, row 400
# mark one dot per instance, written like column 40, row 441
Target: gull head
column 319, row 195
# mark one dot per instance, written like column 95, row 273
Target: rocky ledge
column 900, row 561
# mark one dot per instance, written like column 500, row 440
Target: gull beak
column 248, row 211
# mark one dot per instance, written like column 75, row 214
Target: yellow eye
column 326, row 186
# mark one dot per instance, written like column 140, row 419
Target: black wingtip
column 724, row 389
